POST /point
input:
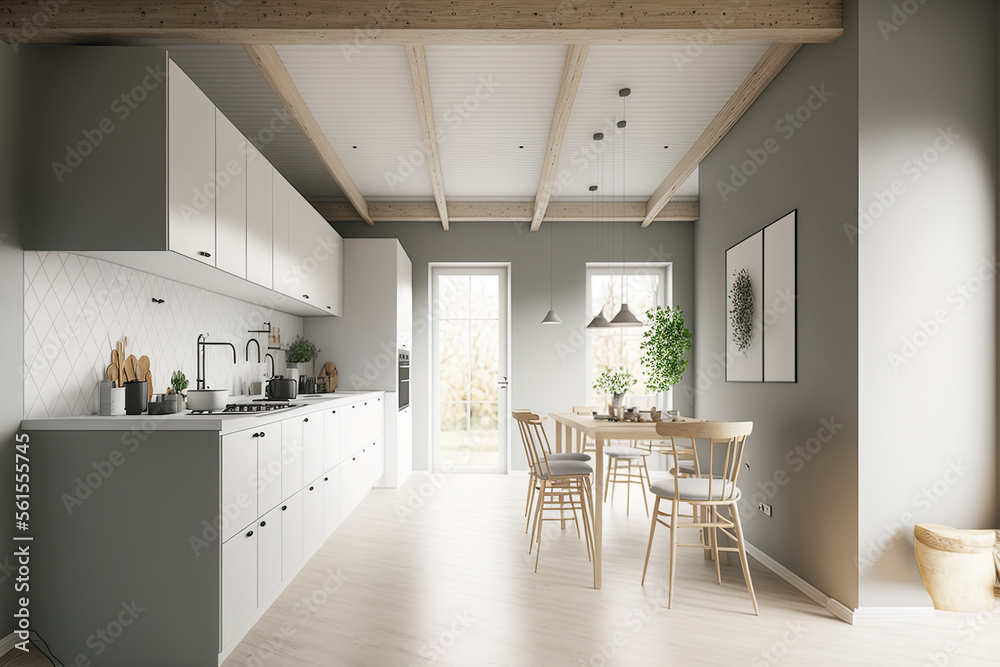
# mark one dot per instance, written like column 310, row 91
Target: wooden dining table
column 570, row 428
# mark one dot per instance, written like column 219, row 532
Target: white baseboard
column 834, row 607
column 868, row 614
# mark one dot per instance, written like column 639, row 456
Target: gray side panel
column 111, row 186
column 127, row 540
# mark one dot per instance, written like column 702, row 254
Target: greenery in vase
column 178, row 381
column 741, row 310
column 614, row 382
column 300, row 351
column 663, row 346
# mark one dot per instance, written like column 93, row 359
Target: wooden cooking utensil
column 112, row 373
column 143, row 366
column 130, row 367
column 148, row 377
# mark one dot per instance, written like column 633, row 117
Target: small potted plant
column 616, row 383
column 663, row 346
column 300, row 351
column 178, row 382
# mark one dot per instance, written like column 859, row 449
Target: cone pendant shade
column 625, row 318
column 551, row 318
column 599, row 322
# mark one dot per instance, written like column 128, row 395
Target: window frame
column 664, row 299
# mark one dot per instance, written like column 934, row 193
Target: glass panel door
column 470, row 362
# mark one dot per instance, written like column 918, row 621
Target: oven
column 404, row 379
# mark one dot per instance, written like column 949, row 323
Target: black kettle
column 281, row 388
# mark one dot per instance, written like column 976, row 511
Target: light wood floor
column 431, row 575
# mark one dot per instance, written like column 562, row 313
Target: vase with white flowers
column 617, row 383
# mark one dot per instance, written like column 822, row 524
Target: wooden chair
column 532, row 480
column 563, row 484
column 711, row 493
column 635, row 472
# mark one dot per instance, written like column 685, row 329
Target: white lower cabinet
column 268, row 554
column 274, row 516
column 239, row 495
column 291, row 536
column 291, row 457
column 312, row 516
column 312, row 446
column 331, row 438
column 268, row 467
column 239, row 582
column 331, row 500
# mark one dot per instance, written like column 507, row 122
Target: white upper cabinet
column 282, row 211
column 230, row 197
column 260, row 216
column 174, row 188
column 191, row 172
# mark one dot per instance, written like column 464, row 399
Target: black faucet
column 271, row 357
column 200, row 359
column 254, row 341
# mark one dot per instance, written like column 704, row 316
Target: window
column 646, row 286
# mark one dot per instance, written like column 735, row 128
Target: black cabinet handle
column 329, row 307
column 305, row 296
column 311, row 488
column 306, row 419
column 326, row 479
column 262, row 434
column 250, row 534
column 255, row 435
column 263, row 523
column 204, row 254
column 354, row 458
column 284, row 507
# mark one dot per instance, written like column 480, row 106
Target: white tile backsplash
column 76, row 308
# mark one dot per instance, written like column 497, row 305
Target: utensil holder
column 112, row 400
column 136, row 397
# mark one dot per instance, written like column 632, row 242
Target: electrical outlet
column 765, row 508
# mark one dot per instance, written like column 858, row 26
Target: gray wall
column 814, row 496
column 11, row 304
column 548, row 371
column 928, row 277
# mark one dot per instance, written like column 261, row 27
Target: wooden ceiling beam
column 426, row 21
column 485, row 211
column 768, row 67
column 425, row 110
column 270, row 65
column 576, row 58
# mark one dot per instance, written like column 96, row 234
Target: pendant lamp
column 551, row 317
column 625, row 317
column 599, row 321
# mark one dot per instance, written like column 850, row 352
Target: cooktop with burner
column 248, row 407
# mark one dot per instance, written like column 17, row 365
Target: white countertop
column 228, row 422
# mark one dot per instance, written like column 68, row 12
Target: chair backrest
column 726, row 444
column 534, row 440
column 585, row 410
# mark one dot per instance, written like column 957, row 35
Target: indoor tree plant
column 300, row 351
column 663, row 346
column 616, row 383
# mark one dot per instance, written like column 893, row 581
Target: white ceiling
column 489, row 101
column 363, row 98
column 673, row 98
